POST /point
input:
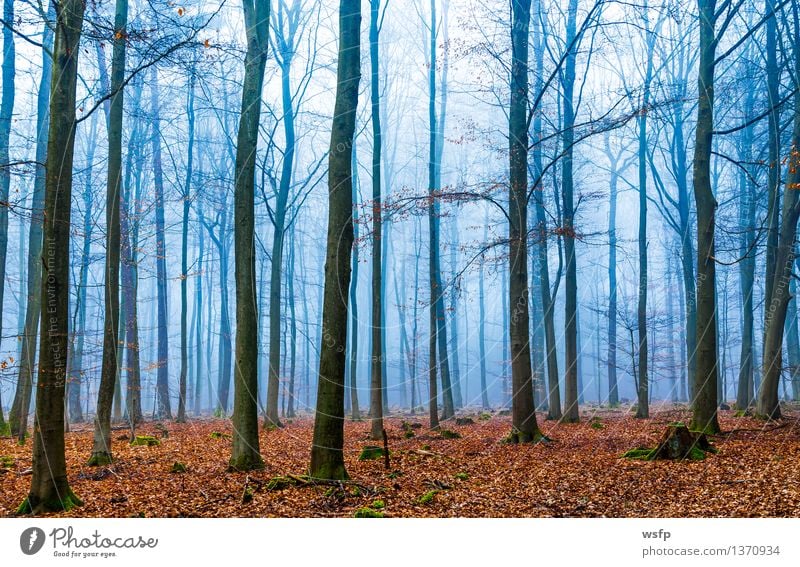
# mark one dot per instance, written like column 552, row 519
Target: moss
column 639, row 454
column 219, row 435
column 485, row 416
column 6, row 462
column 449, row 434
column 65, row 503
column 595, row 423
column 465, row 421
column 427, row 498
column 370, row 453
column 100, row 459
column 408, row 434
column 280, row 482
column 145, row 441
column 378, row 505
column 426, row 447
column 367, row 513
column 518, row 437
column 461, row 476
column 178, row 467
column 247, row 462
column 696, row 454
column 355, row 491
column 247, row 495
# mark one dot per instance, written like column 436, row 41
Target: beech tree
column 50, row 490
column 245, row 453
column 327, row 458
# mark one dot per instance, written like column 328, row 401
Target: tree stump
column 677, row 443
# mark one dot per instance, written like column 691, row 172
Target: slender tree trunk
column 768, row 405
column 18, row 417
column 377, row 383
column 568, row 210
column 6, row 116
column 50, row 490
column 187, row 204
column 523, row 416
column 747, row 224
column 101, row 448
column 354, row 405
column 327, row 457
column 245, row 454
column 705, row 390
column 438, row 342
column 163, row 406
column 643, row 406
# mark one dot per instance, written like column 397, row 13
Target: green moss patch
column 219, row 435
column 145, row 441
column 449, row 434
column 178, row 468
column 6, row 462
column 371, row 453
column 367, row 513
column 427, row 498
column 461, row 476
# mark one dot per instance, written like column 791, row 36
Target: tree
column 245, row 455
column 6, row 114
column 781, row 295
column 568, row 207
column 50, row 489
column 438, row 323
column 18, row 416
column 101, row 448
column 327, row 458
column 524, row 428
column 163, row 406
column 377, row 379
column 705, row 391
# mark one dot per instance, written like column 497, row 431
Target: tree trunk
column 6, row 116
column 523, row 416
column 163, row 407
column 18, row 417
column 327, row 458
column 705, row 391
column 438, row 329
column 568, row 210
column 50, row 489
column 780, row 296
column 245, row 454
column 376, row 360
column 101, row 448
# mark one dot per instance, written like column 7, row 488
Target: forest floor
column 580, row 473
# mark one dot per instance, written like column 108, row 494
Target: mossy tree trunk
column 50, row 490
column 327, row 458
column 245, row 454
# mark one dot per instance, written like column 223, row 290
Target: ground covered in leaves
column 580, row 473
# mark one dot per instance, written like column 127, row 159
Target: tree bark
column 524, row 428
column 704, row 418
column 50, row 490
column 101, row 447
column 327, row 458
column 245, row 454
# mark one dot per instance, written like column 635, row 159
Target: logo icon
column 31, row 541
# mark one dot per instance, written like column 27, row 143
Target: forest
column 400, row 258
